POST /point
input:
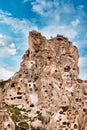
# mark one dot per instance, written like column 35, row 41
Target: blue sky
column 50, row 17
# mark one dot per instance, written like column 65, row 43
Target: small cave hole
column 75, row 126
column 46, row 91
column 67, row 69
column 12, row 85
column 30, row 89
column 49, row 57
column 31, row 105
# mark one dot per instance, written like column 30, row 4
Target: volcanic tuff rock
column 47, row 89
column 6, row 122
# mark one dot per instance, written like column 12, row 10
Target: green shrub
column 25, row 117
column 15, row 118
column 24, row 125
column 19, row 128
column 17, row 111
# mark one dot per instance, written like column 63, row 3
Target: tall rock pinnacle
column 48, row 87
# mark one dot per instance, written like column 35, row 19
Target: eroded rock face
column 6, row 122
column 47, row 84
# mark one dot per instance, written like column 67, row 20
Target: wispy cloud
column 20, row 27
column 6, row 46
column 46, row 8
column 17, row 25
column 53, row 8
column 75, row 22
column 53, row 30
column 12, row 47
column 4, row 13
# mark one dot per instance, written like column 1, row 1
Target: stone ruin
column 48, row 85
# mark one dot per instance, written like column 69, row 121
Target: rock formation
column 6, row 122
column 47, row 89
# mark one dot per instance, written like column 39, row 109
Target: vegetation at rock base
column 19, row 128
column 18, row 117
column 2, row 83
column 24, row 125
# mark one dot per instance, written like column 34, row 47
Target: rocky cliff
column 46, row 93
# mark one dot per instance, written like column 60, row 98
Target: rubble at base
column 47, row 93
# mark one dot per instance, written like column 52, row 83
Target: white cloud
column 18, row 26
column 2, row 43
column 4, row 40
column 11, row 51
column 5, row 74
column 23, row 26
column 75, row 22
column 6, row 46
column 46, row 8
column 4, row 13
column 12, row 45
column 53, row 8
column 53, row 30
column 83, row 67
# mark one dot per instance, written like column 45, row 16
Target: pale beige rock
column 48, row 82
column 6, row 122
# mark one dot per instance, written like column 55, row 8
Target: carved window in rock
column 64, row 123
column 46, row 91
column 77, row 99
column 13, row 85
column 49, row 57
column 55, row 70
column 19, row 97
column 75, row 126
column 29, row 85
column 19, row 93
column 11, row 98
column 31, row 105
column 9, row 125
column 30, row 89
column 84, row 110
column 36, row 51
column 67, row 69
column 36, row 77
column 36, row 65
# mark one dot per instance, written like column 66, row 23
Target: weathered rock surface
column 48, row 87
column 6, row 122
